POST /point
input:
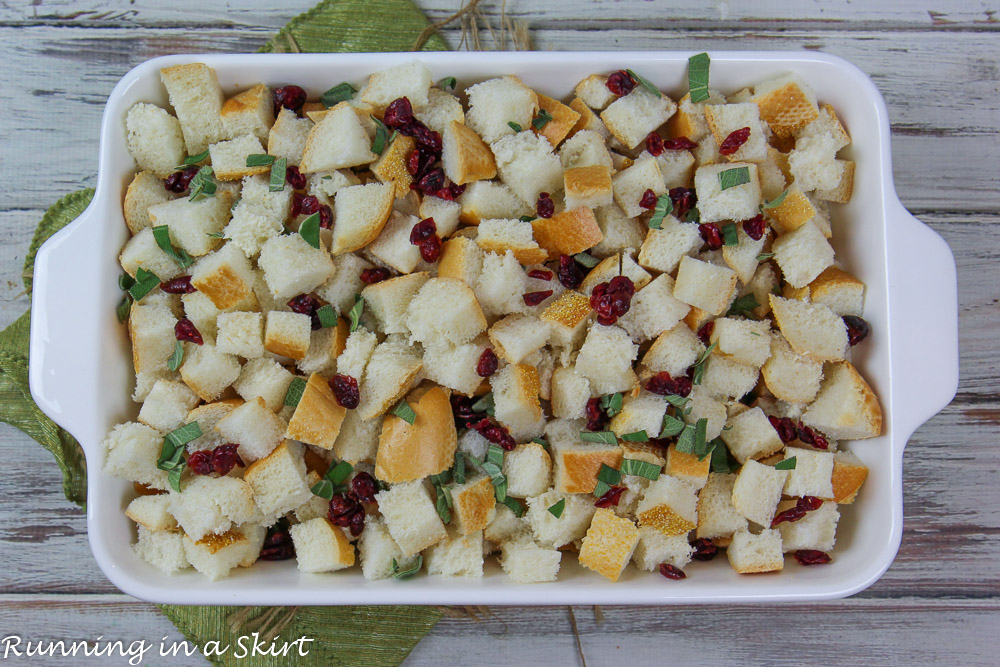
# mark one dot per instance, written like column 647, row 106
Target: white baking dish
column 81, row 371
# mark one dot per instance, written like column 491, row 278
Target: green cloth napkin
column 360, row 635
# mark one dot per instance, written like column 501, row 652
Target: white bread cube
column 318, row 416
column 790, row 376
column 528, row 469
column 472, row 442
column 526, row 164
column 585, row 148
column 506, row 526
column 358, row 438
column 668, row 505
column 816, row 530
column 197, row 99
column 846, row 407
column 411, row 80
column 445, row 309
column 325, row 185
column 771, row 174
column 588, row 186
column 167, row 405
column 707, row 151
column 757, row 491
column 340, row 289
column 620, row 233
column 736, row 203
column 454, row 366
column 568, row 317
column 240, row 334
column 812, row 474
column 655, row 548
column 190, row 223
column 145, row 190
column 677, row 168
column 631, row 184
column 609, row 543
column 257, row 430
column 287, row 334
column 216, row 554
column 589, row 121
column 249, row 112
column 643, row 412
column 723, row 119
column 489, row 200
column 154, row 139
column 445, row 213
column 279, row 480
column 357, row 351
column 704, row 285
column 786, row 102
column 410, row 516
column 152, row 512
column 291, row 266
column 163, row 549
column 728, row 378
column 440, row 110
column 717, row 516
column 749, row 435
column 132, row 450
column 207, row 371
column 378, row 550
column 388, row 300
column 826, row 123
column 339, row 140
column 202, row 312
column 663, row 248
column 742, row 257
column 552, row 532
column 839, row 291
column 746, row 341
column 288, row 136
column 229, row 158
column 606, row 358
column 393, row 247
column 212, row 505
column 812, row 329
column 673, row 351
column 749, row 553
column 813, row 164
column 632, row 117
column 570, row 392
column 207, row 416
column 224, row 276
column 457, row 556
column 474, row 504
column 391, row 372
column 654, row 310
column 689, row 121
column 566, row 233
column 515, row 394
column 258, row 216
column 802, row 254
column 465, row 157
column 517, row 336
column 501, row 285
column 325, row 345
column 495, row 103
column 321, row 546
column 705, row 405
column 527, row 563
column 141, row 251
column 594, row 91
column 264, row 378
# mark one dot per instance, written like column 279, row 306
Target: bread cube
column 588, row 186
column 727, row 378
column 356, row 353
column 757, row 491
column 216, row 554
column 426, row 447
column 606, row 360
column 191, row 223
column 790, row 376
column 723, row 119
column 249, row 112
column 717, row 516
column 816, row 530
column 318, row 416
column 654, row 310
column 849, row 473
column 669, row 505
column 145, row 190
column 846, row 407
column 167, row 405
column 673, row 351
column 689, row 121
column 501, row 285
column 338, row 140
column 786, row 102
column 391, row 166
column 654, row 548
column 466, row 158
column 224, row 276
column 620, row 234
column 154, row 139
column 264, row 378
column 576, row 464
column 291, row 266
column 594, row 92
column 589, row 121
column 570, row 392
column 802, row 254
column 641, row 412
column 526, row 164
column 812, row 329
column 411, row 80
column 358, row 439
column 567, row 233
column 562, row 119
column 389, row 375
column 676, row 167
column 257, row 430
column 457, row 556
column 474, row 504
column 132, row 451
column 212, row 505
column 489, row 200
column 842, row 191
column 749, row 435
column 663, row 248
column 742, row 257
column 240, row 334
column 207, row 371
column 749, row 553
column 445, row 309
column 515, row 394
column 197, row 98
column 151, row 329
column 321, row 546
column 393, row 247
column 454, row 366
column 141, row 251
column 207, row 416
column 325, row 345
column 279, row 480
column 288, row 136
column 388, row 300
column 445, row 213
column 585, row 148
column 553, row 532
column 151, row 512
column 163, row 549
column 705, row 405
column 378, row 550
column 704, row 285
column 361, row 212
column 499, row 236
column 517, row 336
column 495, row 103
column 440, row 110
column 632, row 117
column 735, row 203
column 527, row 563
column 746, row 341
column 258, row 216
column 229, row 158
column 287, row 334
column 608, row 544
column 567, row 317
column 839, row 291
column 631, row 183
column 812, row 474
column 814, row 165
column 528, row 469
column 410, row 516
column 687, row 467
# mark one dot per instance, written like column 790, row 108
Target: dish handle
column 923, row 318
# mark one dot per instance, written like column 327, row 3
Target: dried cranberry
column 200, row 463
column 364, row 487
column 304, row 204
column 178, row 285
column 428, row 139
column 812, row 557
column 540, row 274
column 430, row 249
column 620, row 83
column 398, row 113
column 612, row 299
column 664, row 385
column 357, row 523
column 755, row 227
column 278, row 543
column 804, row 505
column 611, row 498
column 420, row 160
column 683, row 200
column 648, row 200
column 570, row 272
column 784, row 426
column 450, row 192
column 185, row 330
column 487, row 364
column 535, row 298
column 654, row 144
column 545, row 206
column 376, row 275
column 325, row 217
column 289, row 97
column 345, row 390
column 225, row 458
column 704, row 549
column 303, row 304
column 679, row 144
column 732, row 143
column 495, row 433
column 342, row 507
column 461, row 407
column 712, row 234
column 432, row 181
column 671, row 571
column 295, row 178
column 857, row 329
column 811, row 437
column 705, row 332
column 422, row 231
column 595, row 415
column 179, row 181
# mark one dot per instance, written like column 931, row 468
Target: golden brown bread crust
column 225, row 288
column 391, row 166
column 318, row 416
column 474, row 505
column 474, row 159
column 587, row 118
column 359, row 237
column 578, row 467
column 568, row 310
column 682, row 464
column 567, row 233
column 427, row 447
column 786, row 109
column 847, row 480
column 248, row 100
column 454, row 260
column 795, row 211
column 842, row 192
column 276, row 343
column 587, row 182
column 608, row 544
column 563, row 121
column 523, row 254
column 217, row 542
column 682, row 123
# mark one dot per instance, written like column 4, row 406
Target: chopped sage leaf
column 339, row 473
column 557, row 509
column 776, row 202
column 646, row 83
column 259, row 160
column 664, row 207
column 161, row 235
column 441, row 503
column 787, row 464
column 195, row 159
column 125, row 281
column 526, row 218
column 202, row 185
column 698, row 66
column 184, row 434
column 541, row 441
column 586, row 259
column 541, row 120
column 671, row 426
column 637, row 436
column 405, row 412
column 514, row 505
column 458, row 471
column 606, row 437
column 601, row 488
column 640, row 468
column 699, row 366
column 327, row 316
column 339, row 93
column 609, row 475
column 612, row 403
column 494, row 454
column 485, row 404
column 694, row 215
column 381, row 139
column 410, row 571
column 730, row 178
column 216, row 235
column 677, row 401
column 722, row 460
column 764, row 256
column 123, row 309
column 514, row 126
column 743, row 305
column 355, row 313
column 278, row 169
column 309, row 230
column 145, row 282
column 448, row 83
column 175, row 360
column 729, row 235
column 295, row 391
column 323, row 488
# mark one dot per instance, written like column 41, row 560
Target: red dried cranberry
column 185, row 330
column 672, row 571
column 704, row 549
column 664, row 385
column 289, row 97
column 178, row 285
column 422, row 231
column 784, row 426
column 426, row 138
column 398, row 113
column 611, row 498
column 450, row 192
column 430, row 250
column 200, row 463
column 179, row 181
column 487, row 364
column 345, row 390
column 535, row 298
column 857, row 329
column 570, row 272
column 432, row 181
column 595, row 415
column 303, row 304
column 357, row 523
column 413, row 162
column 612, row 299
column 304, row 204
column 755, row 227
column 732, row 143
column 325, row 217
column 620, row 83
column 654, row 144
column 545, row 206
column 705, row 332
column 420, row 161
column 495, row 433
column 278, row 543
column 679, row 144
column 376, row 275
column 226, row 457
column 812, row 557
column 683, row 200
column 342, row 507
column 811, row 437
column 809, row 503
column 712, row 234
column 364, row 487
column 295, row 178
column 648, row 200
column 461, row 407
column 540, row 274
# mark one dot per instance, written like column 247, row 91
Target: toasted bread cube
column 321, row 546
column 357, row 351
column 358, row 438
column 746, row 341
column 749, row 435
column 608, row 544
column 757, row 491
column 724, row 119
column 528, row 469
column 279, row 480
column 643, row 412
column 163, row 549
column 687, row 467
column 291, row 266
column 594, row 92
column 786, row 103
column 742, row 257
column 654, row 548
column 325, row 345
column 145, row 191
column 224, row 276
column 495, row 103
column 517, row 336
column 812, row 329
column 426, row 447
column 391, row 372
column 689, row 121
column 208, row 505
column 151, row 329
column 631, row 183
column 749, row 553
column 849, row 473
column 561, row 123
column 515, row 393
column 154, row 139
column 392, row 246
column 589, row 121
column 465, row 156
column 488, row 200
column 506, row 526
column 411, row 80
column 167, row 405
column 207, row 371
column 207, row 416
column 632, row 117
column 257, row 430
column 577, row 463
column 735, row 203
column 361, row 212
column 728, row 378
column 654, row 310
column 440, row 110
column 152, row 512
column 288, row 136
column 673, row 351
column 826, row 123
column 839, row 291
column 816, row 530
column 553, row 532
column 526, row 163
column 197, row 99
column 569, row 394
column 794, row 210
column 410, row 516
column 258, row 217
column 339, row 140
column 567, row 317
column 621, row 234
column 265, row 378
column 391, row 166
column 318, row 416
column 846, row 407
column 388, row 300
column 669, row 505
column 378, row 551
column 588, row 186
column 141, row 251
column 717, row 516
column 216, row 554
column 612, row 266
column 249, row 112
column 457, row 556
column 566, row 233
column 802, row 254
column 190, row 223
column 132, row 450
column 704, row 285
column 454, row 366
column 527, row 563
column 704, row 404
column 501, row 285
column 474, row 504
column 606, row 360
column 229, row 157
column 676, row 167
column 789, row 376
column 287, row 334
column 663, row 248
column 426, row 314
column 240, row 334
column 584, row 149
column 812, row 474
column 814, row 165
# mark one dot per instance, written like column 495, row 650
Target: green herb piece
column 172, row 457
column 730, row 178
column 787, row 464
column 764, row 256
column 776, row 290
column 586, row 259
column 744, row 306
column 609, row 475
column 162, row 236
column 664, row 207
column 671, row 426
column 514, row 505
column 526, row 218
column 295, row 391
column 494, row 454
column 698, row 67
column 722, row 460
column 202, row 185
column 259, row 160
column 339, row 93
column 541, row 441
column 729, row 235
column 640, row 468
column 405, row 412
column 692, row 438
column 776, row 202
column 557, row 509
column 448, row 83
column 606, row 437
column 458, row 471
column 409, row 572
column 278, row 169
column 677, row 401
column 541, row 120
column 145, row 282
column 646, row 83
column 441, row 478
column 340, row 472
column 381, row 137
column 636, row 436
column 123, row 309
column 216, row 235
column 699, row 366
column 601, row 488
column 694, row 215
column 309, row 230
column 327, row 316
column 443, row 503
column 323, row 488
column 355, row 313
column 485, row 404
column 514, row 126
column 700, row 435
column 174, row 362
column 195, row 159
column 612, row 403
column 183, row 435
column 125, row 281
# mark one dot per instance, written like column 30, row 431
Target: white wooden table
column 938, row 65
